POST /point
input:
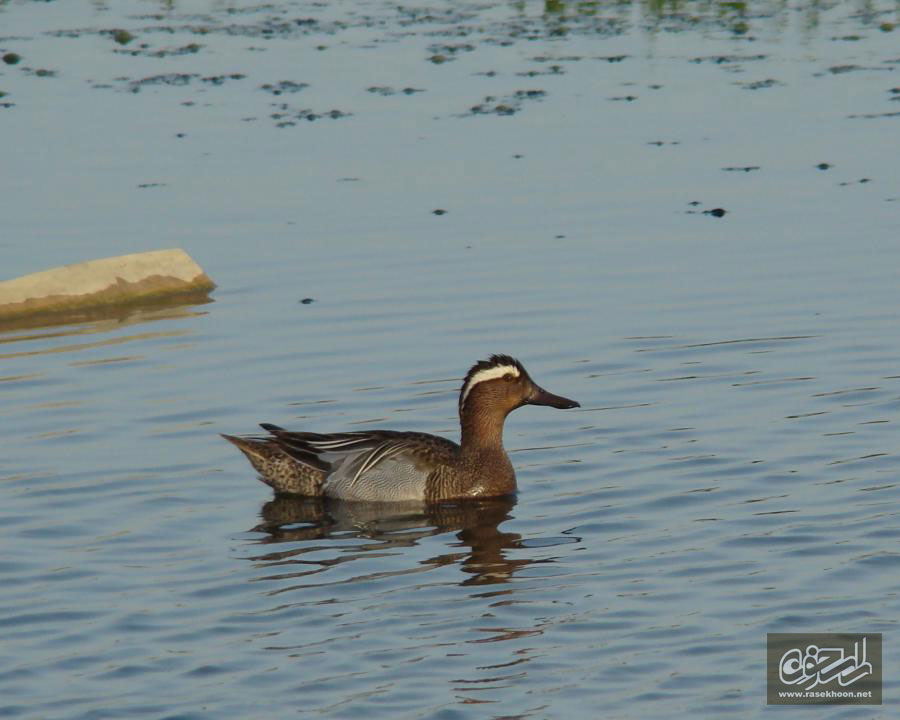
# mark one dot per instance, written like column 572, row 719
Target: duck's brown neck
column 482, row 429
column 489, row 471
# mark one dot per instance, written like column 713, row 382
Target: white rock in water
column 105, row 282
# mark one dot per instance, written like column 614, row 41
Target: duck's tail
column 277, row 469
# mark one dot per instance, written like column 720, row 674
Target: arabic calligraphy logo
column 820, row 666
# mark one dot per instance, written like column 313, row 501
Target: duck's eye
column 508, row 377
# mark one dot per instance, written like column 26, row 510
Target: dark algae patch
column 507, row 105
column 284, row 86
column 551, row 70
column 222, row 79
column 123, row 37
column 145, row 50
column 761, row 84
column 729, row 59
column 713, row 212
column 169, row 79
column 441, row 53
column 287, row 116
column 387, row 91
column 177, row 80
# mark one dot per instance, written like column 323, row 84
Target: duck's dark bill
column 542, row 397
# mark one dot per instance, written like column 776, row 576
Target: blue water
column 732, row 470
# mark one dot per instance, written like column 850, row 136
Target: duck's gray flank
column 386, row 465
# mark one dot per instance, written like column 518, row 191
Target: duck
column 397, row 466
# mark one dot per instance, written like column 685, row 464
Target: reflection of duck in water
column 384, row 465
column 292, row 519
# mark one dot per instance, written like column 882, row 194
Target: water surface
column 731, row 472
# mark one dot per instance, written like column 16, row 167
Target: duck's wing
column 369, row 465
column 328, row 450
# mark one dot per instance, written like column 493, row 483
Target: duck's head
column 501, row 383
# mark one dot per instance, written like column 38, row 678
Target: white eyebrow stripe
column 491, row 373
